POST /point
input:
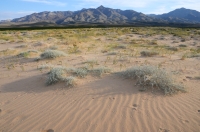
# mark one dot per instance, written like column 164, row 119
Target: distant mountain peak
column 180, row 15
column 101, row 7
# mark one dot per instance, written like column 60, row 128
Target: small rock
column 198, row 110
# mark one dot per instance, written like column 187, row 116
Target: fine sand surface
column 108, row 103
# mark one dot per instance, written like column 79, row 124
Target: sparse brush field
column 160, row 60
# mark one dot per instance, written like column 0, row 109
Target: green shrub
column 50, row 54
column 150, row 76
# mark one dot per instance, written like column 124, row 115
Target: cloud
column 12, row 15
column 48, row 2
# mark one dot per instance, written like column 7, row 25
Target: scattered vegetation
column 68, row 75
column 121, row 45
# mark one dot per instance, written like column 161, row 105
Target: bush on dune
column 152, row 77
column 57, row 75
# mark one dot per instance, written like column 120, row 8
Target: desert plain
column 74, row 80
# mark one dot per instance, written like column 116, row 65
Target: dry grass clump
column 148, row 53
column 51, row 54
column 151, row 76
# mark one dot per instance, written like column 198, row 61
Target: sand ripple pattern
column 108, row 104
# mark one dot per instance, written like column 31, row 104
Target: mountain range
column 104, row 15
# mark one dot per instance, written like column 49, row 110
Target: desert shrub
column 23, row 54
column 50, row 54
column 112, row 53
column 101, row 70
column 27, row 53
column 173, row 48
column 197, row 77
column 54, row 47
column 70, row 81
column 91, row 63
column 22, row 46
column 151, row 76
column 183, row 40
column 175, row 41
column 121, row 46
column 182, row 45
column 45, row 66
column 148, row 53
column 75, row 49
column 193, row 55
column 81, row 72
column 55, row 75
column 153, row 42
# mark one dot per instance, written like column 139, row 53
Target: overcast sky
column 10, row 9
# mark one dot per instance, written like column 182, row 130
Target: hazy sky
column 10, row 9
